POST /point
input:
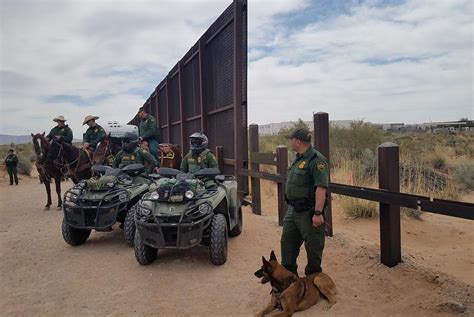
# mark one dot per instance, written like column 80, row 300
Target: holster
column 301, row 204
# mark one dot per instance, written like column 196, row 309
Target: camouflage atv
column 99, row 202
column 187, row 210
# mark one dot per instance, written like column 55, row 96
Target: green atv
column 183, row 210
column 101, row 201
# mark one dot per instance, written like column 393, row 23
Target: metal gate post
column 255, row 182
column 389, row 179
column 321, row 143
column 282, row 168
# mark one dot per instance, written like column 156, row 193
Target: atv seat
column 168, row 172
column 134, row 169
column 208, row 173
column 117, row 172
column 100, row 169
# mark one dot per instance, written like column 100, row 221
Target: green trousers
column 12, row 172
column 298, row 228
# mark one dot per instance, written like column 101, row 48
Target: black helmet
column 130, row 142
column 198, row 142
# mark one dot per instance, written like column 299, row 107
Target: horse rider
column 61, row 131
column 199, row 156
column 94, row 134
column 132, row 153
column 149, row 132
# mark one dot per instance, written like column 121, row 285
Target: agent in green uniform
column 149, row 132
column 94, row 134
column 61, row 131
column 306, row 188
column 199, row 156
column 131, row 154
column 11, row 161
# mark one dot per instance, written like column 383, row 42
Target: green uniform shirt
column 94, row 135
column 308, row 171
column 64, row 132
column 192, row 164
column 11, row 160
column 138, row 156
column 148, row 128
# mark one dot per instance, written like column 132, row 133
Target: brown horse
column 70, row 160
column 170, row 156
column 105, row 151
column 46, row 172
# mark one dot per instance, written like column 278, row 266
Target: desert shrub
column 358, row 208
column 464, row 175
column 411, row 213
column 355, row 140
column 24, row 165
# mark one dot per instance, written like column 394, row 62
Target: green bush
column 24, row 166
column 358, row 208
column 464, row 175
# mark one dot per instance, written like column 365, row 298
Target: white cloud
column 408, row 62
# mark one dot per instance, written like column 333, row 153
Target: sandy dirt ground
column 41, row 275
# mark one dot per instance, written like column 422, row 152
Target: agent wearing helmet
column 61, row 131
column 200, row 156
column 131, row 154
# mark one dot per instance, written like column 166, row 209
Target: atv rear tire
column 143, row 253
column 129, row 225
column 238, row 227
column 218, row 240
column 74, row 236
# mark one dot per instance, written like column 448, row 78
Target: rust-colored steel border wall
column 207, row 91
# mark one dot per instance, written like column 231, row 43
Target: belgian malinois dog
column 292, row 293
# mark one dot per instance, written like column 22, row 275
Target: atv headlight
column 189, row 194
column 123, row 197
column 154, row 196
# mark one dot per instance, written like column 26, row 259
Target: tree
column 285, row 132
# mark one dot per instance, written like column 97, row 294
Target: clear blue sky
column 381, row 61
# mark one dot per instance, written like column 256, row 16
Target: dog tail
column 326, row 286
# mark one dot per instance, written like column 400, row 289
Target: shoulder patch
column 321, row 166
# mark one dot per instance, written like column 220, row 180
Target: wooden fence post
column 220, row 158
column 255, row 182
column 389, row 179
column 321, row 143
column 282, row 168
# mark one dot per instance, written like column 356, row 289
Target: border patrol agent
column 148, row 130
column 61, row 131
column 199, row 156
column 11, row 161
column 131, row 154
column 306, row 186
column 94, row 134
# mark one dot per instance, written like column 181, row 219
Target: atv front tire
column 129, row 225
column 74, row 236
column 143, row 253
column 238, row 227
column 218, row 240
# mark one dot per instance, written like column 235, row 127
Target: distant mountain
column 17, row 139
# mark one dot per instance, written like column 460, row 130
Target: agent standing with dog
column 306, row 188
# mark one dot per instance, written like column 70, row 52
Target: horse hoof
column 59, row 208
column 46, row 208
